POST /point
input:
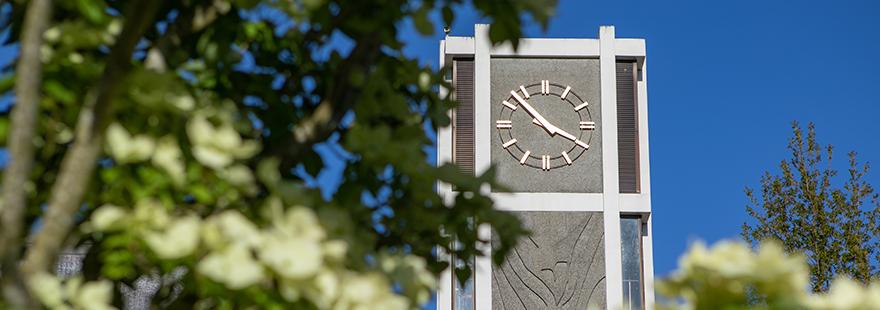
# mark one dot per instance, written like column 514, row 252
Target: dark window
column 631, row 260
column 463, row 295
column 463, row 115
column 627, row 127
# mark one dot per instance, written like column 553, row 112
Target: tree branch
column 78, row 165
column 193, row 19
column 338, row 101
column 21, row 146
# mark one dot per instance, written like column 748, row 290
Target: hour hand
column 566, row 135
column 538, row 119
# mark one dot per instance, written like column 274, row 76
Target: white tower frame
column 608, row 49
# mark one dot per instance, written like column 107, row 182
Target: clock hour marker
column 545, row 87
column 509, row 143
column 525, row 156
column 587, row 125
column 582, row 144
column 565, row 92
column 503, row 124
column 517, row 97
column 565, row 156
column 524, row 92
column 545, row 162
column 509, row 105
column 583, row 105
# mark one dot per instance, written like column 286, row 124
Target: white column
column 645, row 186
column 444, row 155
column 482, row 134
column 644, row 159
column 611, row 197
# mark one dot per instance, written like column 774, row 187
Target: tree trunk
column 28, row 82
column 78, row 165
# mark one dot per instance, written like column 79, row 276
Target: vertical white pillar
column 482, row 134
column 644, row 159
column 645, row 175
column 444, row 155
column 611, row 192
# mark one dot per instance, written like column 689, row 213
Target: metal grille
column 627, row 127
column 463, row 116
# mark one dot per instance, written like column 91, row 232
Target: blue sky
column 725, row 81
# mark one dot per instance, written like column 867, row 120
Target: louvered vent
column 627, row 127
column 463, row 116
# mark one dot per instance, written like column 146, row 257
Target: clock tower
column 564, row 121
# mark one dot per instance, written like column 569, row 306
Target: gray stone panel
column 585, row 174
column 560, row 266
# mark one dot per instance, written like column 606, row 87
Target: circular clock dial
column 537, row 107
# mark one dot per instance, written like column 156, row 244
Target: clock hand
column 571, row 137
column 541, row 120
column 565, row 134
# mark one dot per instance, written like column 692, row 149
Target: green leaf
column 93, row 10
column 423, row 22
column 59, row 92
column 448, row 16
column 7, row 82
column 4, row 129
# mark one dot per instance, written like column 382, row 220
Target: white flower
column 219, row 146
column 411, row 273
column 369, row 291
column 95, row 295
column 846, row 294
column 52, row 35
column 230, row 227
column 47, row 289
column 71, row 287
column 108, row 217
column 115, row 27
column 234, row 266
column 211, row 157
column 169, row 158
column 179, row 239
column 335, row 250
column 293, row 258
column 290, row 290
column 424, row 81
column 75, row 58
column 364, row 288
column 240, row 176
column 185, row 102
column 324, row 289
column 126, row 148
column 151, row 213
column 391, row 302
column 301, row 222
column 872, row 296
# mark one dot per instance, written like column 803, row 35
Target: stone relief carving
column 560, row 266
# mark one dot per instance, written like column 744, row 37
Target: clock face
column 568, row 137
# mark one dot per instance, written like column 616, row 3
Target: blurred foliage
column 223, row 112
column 730, row 275
column 835, row 227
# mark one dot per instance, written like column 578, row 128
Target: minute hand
column 544, row 123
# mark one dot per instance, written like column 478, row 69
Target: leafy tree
column 836, row 227
column 163, row 135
